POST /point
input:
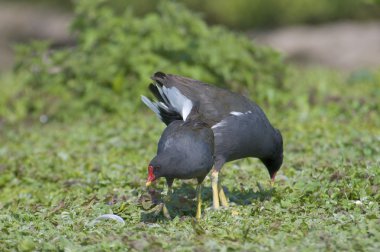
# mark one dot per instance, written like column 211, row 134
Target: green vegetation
column 258, row 14
column 57, row 177
column 116, row 54
column 75, row 144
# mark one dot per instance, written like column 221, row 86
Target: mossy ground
column 57, row 177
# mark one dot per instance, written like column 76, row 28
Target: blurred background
column 343, row 34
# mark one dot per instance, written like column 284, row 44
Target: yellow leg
column 214, row 185
column 199, row 201
column 165, row 210
column 222, row 196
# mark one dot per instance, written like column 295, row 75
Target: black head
column 274, row 162
column 273, row 165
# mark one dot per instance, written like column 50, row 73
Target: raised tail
column 171, row 104
column 163, row 112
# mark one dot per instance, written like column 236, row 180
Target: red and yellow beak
column 151, row 176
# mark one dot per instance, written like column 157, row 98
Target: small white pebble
column 153, row 225
column 358, row 203
column 63, row 155
column 44, row 119
column 108, row 217
column 282, row 177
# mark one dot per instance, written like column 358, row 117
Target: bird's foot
column 215, row 205
column 219, row 198
column 161, row 208
column 212, row 208
column 166, row 213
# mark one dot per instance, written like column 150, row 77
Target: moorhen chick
column 185, row 151
column 241, row 129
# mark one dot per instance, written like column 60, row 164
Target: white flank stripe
column 219, row 124
column 222, row 123
column 236, row 113
column 240, row 113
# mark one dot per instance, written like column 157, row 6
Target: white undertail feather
column 162, row 94
column 152, row 105
column 173, row 100
column 163, row 105
column 178, row 101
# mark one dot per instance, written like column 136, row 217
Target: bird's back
column 215, row 102
column 186, row 149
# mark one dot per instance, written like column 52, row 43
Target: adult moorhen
column 185, row 151
column 241, row 129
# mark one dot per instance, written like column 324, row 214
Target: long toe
column 222, row 196
column 157, row 209
column 161, row 208
column 165, row 211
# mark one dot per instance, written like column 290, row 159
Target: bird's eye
column 156, row 170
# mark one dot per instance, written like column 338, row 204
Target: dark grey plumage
column 185, row 151
column 240, row 127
